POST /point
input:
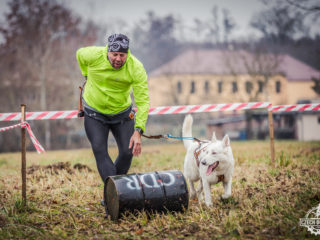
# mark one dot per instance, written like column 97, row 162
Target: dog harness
column 198, row 151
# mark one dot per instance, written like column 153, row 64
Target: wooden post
column 271, row 133
column 23, row 155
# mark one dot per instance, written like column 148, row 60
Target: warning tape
column 34, row 140
column 152, row 111
column 170, row 110
column 39, row 115
column 10, row 127
column 296, row 108
column 207, row 108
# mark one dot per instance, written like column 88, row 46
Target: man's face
column 117, row 59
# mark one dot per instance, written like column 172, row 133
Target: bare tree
column 310, row 7
column 228, row 24
column 154, row 40
column 214, row 26
column 216, row 30
column 286, row 20
column 41, row 38
column 278, row 24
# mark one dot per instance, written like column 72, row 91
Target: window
column 206, row 87
column 193, row 87
column 220, row 87
column 179, row 87
column 260, row 86
column 278, row 86
column 249, row 87
column 234, row 87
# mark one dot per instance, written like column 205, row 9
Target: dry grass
column 63, row 203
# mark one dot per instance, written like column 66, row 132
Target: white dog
column 208, row 161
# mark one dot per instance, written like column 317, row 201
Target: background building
column 216, row 76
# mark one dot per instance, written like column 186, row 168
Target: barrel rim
column 110, row 210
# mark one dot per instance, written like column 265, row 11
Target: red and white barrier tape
column 10, row 127
column 207, row 108
column 170, row 110
column 152, row 111
column 296, row 108
column 39, row 115
column 34, row 140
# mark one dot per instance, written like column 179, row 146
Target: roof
column 226, row 62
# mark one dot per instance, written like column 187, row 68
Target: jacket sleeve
column 85, row 56
column 82, row 62
column 141, row 96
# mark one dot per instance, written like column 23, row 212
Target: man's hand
column 135, row 142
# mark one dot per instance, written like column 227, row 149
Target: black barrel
column 153, row 191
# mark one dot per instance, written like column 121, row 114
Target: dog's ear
column 213, row 139
column 226, row 141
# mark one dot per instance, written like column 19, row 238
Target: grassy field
column 63, row 202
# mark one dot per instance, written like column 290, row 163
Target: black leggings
column 97, row 133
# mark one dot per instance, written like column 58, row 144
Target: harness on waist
column 127, row 115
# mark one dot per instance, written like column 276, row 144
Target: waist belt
column 127, row 115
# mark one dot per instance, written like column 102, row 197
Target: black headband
column 118, row 43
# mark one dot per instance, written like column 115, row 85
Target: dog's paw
column 225, row 196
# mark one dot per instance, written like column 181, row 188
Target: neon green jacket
column 108, row 89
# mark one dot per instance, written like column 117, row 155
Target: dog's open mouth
column 212, row 167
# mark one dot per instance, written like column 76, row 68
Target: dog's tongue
column 211, row 168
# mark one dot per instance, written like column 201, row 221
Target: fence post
column 271, row 134
column 23, row 155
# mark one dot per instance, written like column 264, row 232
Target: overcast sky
column 187, row 10
column 131, row 11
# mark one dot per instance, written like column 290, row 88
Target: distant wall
column 204, row 89
column 300, row 90
column 309, row 127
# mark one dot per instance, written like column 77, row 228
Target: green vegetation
column 64, row 202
